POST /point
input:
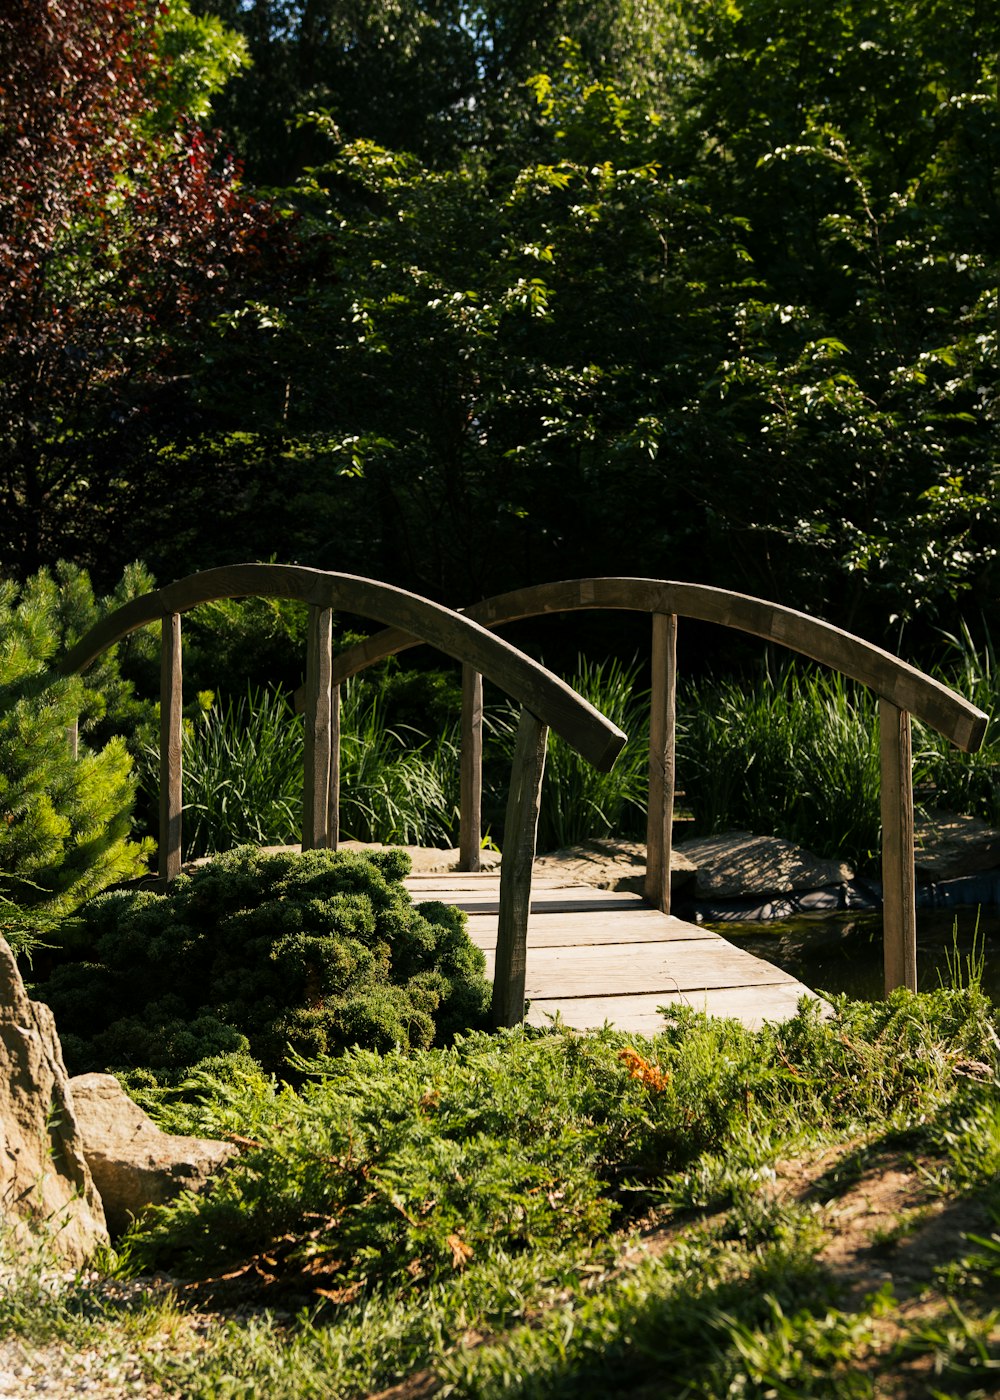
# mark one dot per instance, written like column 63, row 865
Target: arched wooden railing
column 902, row 690
column 545, row 700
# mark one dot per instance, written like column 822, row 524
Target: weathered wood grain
column 548, row 902
column 318, row 729
column 171, row 733
column 641, row 1015
column 471, row 787
column 909, row 689
column 333, row 811
column 899, row 901
column 520, row 828
column 662, row 760
column 658, row 968
column 554, row 702
column 586, row 926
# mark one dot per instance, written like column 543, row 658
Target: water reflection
column 843, row 952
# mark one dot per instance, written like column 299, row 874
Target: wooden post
column 662, row 760
column 316, row 793
column 899, row 905
column 73, row 738
column 470, row 837
column 171, row 731
column 333, row 801
column 520, row 831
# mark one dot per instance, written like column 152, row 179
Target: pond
column 843, row 952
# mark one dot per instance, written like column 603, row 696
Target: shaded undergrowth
column 548, row 1213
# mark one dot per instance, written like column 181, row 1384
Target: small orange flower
column 461, row 1252
column 638, row 1068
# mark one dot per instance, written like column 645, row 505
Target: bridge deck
column 601, row 955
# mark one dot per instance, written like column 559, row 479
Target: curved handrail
column 545, row 701
column 943, row 709
column 902, row 690
column 461, row 637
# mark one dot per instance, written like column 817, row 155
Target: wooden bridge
column 607, row 955
column 586, row 956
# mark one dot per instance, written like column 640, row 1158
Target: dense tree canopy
column 118, row 231
column 693, row 290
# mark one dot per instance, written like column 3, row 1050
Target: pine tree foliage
column 65, row 820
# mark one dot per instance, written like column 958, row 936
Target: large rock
column 737, row 863
column 134, row 1163
column 44, row 1178
column 609, row 863
column 948, row 846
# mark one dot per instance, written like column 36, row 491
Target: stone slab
column 737, row 864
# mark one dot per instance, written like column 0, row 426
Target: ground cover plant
column 278, row 954
column 809, row 1209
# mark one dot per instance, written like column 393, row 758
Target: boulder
column 609, row 864
column 45, row 1181
column 949, row 846
column 134, row 1163
column 737, row 864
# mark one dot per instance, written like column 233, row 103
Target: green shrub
column 65, row 832
column 284, row 954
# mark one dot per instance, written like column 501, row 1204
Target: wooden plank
column 486, row 881
column 471, row 783
column 658, row 968
column 540, row 909
column 588, row 929
column 641, row 1015
column 171, row 736
column 318, row 730
column 520, row 828
column 556, row 899
column 662, row 760
column 899, row 903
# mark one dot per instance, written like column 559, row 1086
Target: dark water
column 843, row 952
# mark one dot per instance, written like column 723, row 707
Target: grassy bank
column 810, row 1209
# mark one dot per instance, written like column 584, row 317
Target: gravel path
column 53, row 1369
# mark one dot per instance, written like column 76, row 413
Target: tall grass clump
column 793, row 753
column 396, row 785
column 578, row 802
column 243, row 775
column 963, row 782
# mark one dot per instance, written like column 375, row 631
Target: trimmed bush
column 283, row 954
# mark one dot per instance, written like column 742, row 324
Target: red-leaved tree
column 121, row 233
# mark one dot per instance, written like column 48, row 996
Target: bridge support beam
column 333, row 797
column 520, row 833
column 171, row 732
column 899, row 905
column 319, row 667
column 662, row 760
column 470, row 838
